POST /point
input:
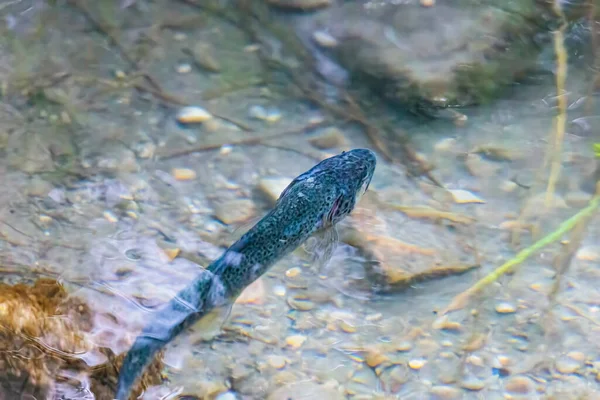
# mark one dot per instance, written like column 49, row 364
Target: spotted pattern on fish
column 315, row 201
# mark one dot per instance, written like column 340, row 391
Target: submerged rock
column 455, row 53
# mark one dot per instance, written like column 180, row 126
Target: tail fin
column 196, row 300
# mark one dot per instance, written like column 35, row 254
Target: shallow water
column 124, row 231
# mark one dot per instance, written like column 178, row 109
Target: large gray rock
column 455, row 53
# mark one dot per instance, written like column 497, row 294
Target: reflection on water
column 110, row 205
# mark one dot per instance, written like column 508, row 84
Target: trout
column 313, row 202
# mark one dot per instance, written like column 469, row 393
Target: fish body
column 314, row 201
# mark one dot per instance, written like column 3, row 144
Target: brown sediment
column 43, row 338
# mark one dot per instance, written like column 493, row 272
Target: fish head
column 350, row 175
column 333, row 187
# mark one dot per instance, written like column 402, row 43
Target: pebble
column 328, row 138
column 479, row 167
column 193, row 115
column 183, row 174
column 172, row 253
column 324, row 39
column 505, row 308
column 578, row 199
column 473, row 384
column 375, row 357
column 570, row 363
column 444, row 392
column 508, row 186
column 277, row 362
column 588, row 253
column 445, row 145
column 427, row 3
column 519, row 385
column 183, row 68
column 110, row 217
column 404, row 346
column 464, row 196
column 235, row 211
column 272, row 187
column 203, row 54
column 300, row 303
column 227, row 396
column 417, row 363
column 293, row 272
column 180, row 36
column 264, row 114
column 145, row 149
column 295, row 341
column 279, row 290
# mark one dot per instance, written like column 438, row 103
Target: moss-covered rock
column 456, row 53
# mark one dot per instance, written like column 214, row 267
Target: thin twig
column 257, row 140
column 463, row 298
column 560, row 121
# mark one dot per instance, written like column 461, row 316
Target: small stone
column 38, row 187
column 519, row 385
column 375, row 357
column 570, row 363
column 203, row 54
column 279, row 290
column 120, row 74
column 293, row 272
column 404, row 346
column 183, row 68
column 295, row 341
column 445, row 145
column 508, row 186
column 235, row 211
column 272, row 187
column 180, row 36
column 328, row 138
column 145, row 149
column 253, row 294
column 264, row 114
column 193, row 115
column 578, row 199
column 324, row 39
column 479, row 167
column 110, row 217
column 427, row 3
column 347, row 327
column 473, row 384
column 277, row 362
column 417, row 363
column 300, row 303
column 172, row 252
column 183, row 174
column 225, row 150
column 227, row 396
column 588, row 253
column 505, row 308
column 444, row 392
column 464, row 196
